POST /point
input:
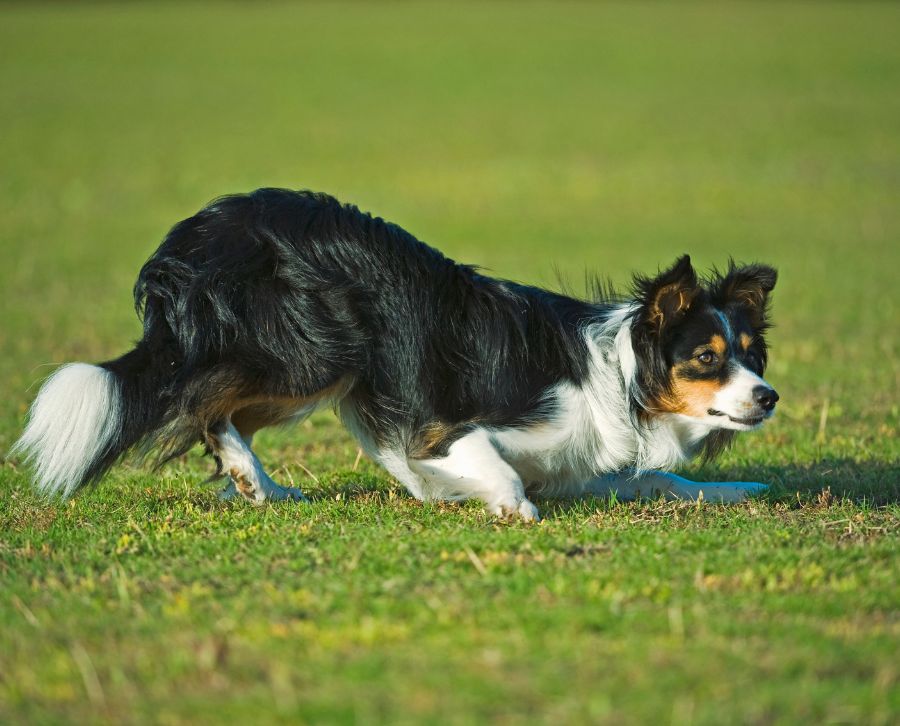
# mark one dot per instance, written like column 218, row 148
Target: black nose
column 766, row 397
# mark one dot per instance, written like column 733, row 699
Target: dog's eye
column 707, row 357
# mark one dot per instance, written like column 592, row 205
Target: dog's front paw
column 525, row 511
column 528, row 512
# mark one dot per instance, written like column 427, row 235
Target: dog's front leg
column 474, row 469
column 627, row 485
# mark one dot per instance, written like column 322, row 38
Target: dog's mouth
column 749, row 421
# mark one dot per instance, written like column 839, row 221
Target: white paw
column 528, row 512
column 525, row 510
column 240, row 486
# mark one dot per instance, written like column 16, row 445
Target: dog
column 263, row 307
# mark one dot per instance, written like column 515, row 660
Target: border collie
column 265, row 306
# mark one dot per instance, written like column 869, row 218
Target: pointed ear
column 748, row 287
column 668, row 296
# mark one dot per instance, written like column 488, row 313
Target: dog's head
column 700, row 345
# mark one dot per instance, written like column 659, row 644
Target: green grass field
column 525, row 138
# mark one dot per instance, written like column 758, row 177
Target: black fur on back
column 285, row 294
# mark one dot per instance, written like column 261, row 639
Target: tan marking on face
column 688, row 396
column 745, row 340
column 718, row 344
column 695, row 397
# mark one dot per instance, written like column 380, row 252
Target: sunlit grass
column 534, row 140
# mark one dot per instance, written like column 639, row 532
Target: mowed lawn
column 537, row 141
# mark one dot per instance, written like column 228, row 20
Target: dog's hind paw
column 272, row 493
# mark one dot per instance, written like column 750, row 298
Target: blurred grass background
column 524, row 137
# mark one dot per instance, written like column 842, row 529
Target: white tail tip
column 71, row 423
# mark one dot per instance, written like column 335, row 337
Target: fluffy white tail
column 73, row 422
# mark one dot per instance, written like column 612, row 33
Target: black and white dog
column 264, row 306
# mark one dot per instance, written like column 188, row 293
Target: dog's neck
column 605, row 403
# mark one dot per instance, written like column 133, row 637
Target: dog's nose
column 766, row 397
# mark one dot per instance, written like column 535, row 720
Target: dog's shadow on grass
column 875, row 483
column 871, row 482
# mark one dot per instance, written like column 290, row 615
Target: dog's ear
column 748, row 287
column 667, row 297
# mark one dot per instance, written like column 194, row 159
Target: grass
column 520, row 137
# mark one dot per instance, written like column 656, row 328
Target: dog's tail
column 86, row 416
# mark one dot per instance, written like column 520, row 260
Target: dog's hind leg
column 248, row 478
column 249, row 419
column 474, row 469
